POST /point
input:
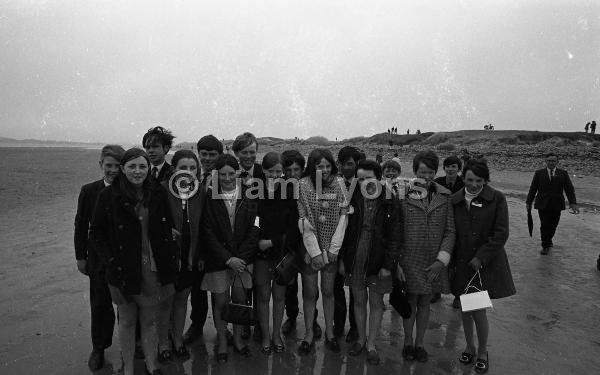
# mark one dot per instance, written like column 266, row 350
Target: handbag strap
column 469, row 286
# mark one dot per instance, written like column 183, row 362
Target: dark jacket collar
column 486, row 194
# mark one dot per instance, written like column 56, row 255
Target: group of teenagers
column 350, row 220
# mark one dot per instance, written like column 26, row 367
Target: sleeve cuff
column 444, row 257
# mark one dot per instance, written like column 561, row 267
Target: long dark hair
column 125, row 187
column 315, row 158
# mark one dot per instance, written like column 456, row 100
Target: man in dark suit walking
column 157, row 142
column 88, row 262
column 547, row 189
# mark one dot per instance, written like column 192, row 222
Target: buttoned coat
column 116, row 233
column 221, row 240
column 482, row 232
column 85, row 210
column 195, row 206
column 428, row 229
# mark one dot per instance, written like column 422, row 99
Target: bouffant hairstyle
column 184, row 154
column 209, row 143
column 348, row 152
column 478, row 167
column 429, row 158
column 289, row 157
column 226, row 159
column 114, row 151
column 271, row 159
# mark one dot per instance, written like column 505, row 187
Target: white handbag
column 478, row 300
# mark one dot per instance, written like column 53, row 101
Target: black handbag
column 240, row 313
column 399, row 299
column 287, row 269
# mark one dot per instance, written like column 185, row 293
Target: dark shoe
column 338, row 330
column 246, row 332
column 482, row 365
column 352, row 335
column 598, row 263
column 545, row 251
column 332, row 344
column 278, row 348
column 305, row 347
column 373, row 357
column 420, row 354
column 139, row 352
column 266, row 350
column 257, row 335
column 456, row 303
column 164, row 356
column 96, row 360
column 289, row 326
column 436, row 297
column 466, row 358
column 408, row 353
column 244, row 351
column 356, row 349
column 222, row 358
column 317, row 331
column 182, row 353
column 192, row 334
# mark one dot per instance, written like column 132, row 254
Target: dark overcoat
column 116, row 234
column 482, row 232
column 83, row 218
column 549, row 194
column 385, row 239
column 223, row 242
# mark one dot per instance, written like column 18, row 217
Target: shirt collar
column 105, row 183
column 158, row 167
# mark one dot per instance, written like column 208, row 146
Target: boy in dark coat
column 88, row 263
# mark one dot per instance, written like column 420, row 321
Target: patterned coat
column 482, row 232
column 428, row 229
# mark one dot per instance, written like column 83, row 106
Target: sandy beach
column 549, row 327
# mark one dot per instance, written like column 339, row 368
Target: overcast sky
column 106, row 71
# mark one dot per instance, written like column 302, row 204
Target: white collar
column 105, row 183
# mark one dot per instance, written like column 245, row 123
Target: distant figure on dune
column 407, row 131
column 593, row 127
column 486, row 127
column 587, row 127
column 418, row 131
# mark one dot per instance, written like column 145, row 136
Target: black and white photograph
column 299, row 187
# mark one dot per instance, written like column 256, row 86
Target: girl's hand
column 318, row 262
column 236, row 264
column 475, row 264
column 332, row 257
column 115, row 294
column 400, row 274
column 264, row 244
column 383, row 273
column 434, row 270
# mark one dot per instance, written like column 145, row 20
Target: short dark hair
column 370, row 165
column 551, row 154
column 429, row 158
column 289, row 157
column 184, row 154
column 314, row 158
column 160, row 135
column 478, row 167
column 452, row 160
column 226, row 159
column 209, row 143
column 391, row 164
column 113, row 151
column 348, row 152
column 242, row 141
column 271, row 159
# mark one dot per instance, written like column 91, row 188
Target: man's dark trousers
column 103, row 314
column 548, row 223
column 339, row 312
column 199, row 302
